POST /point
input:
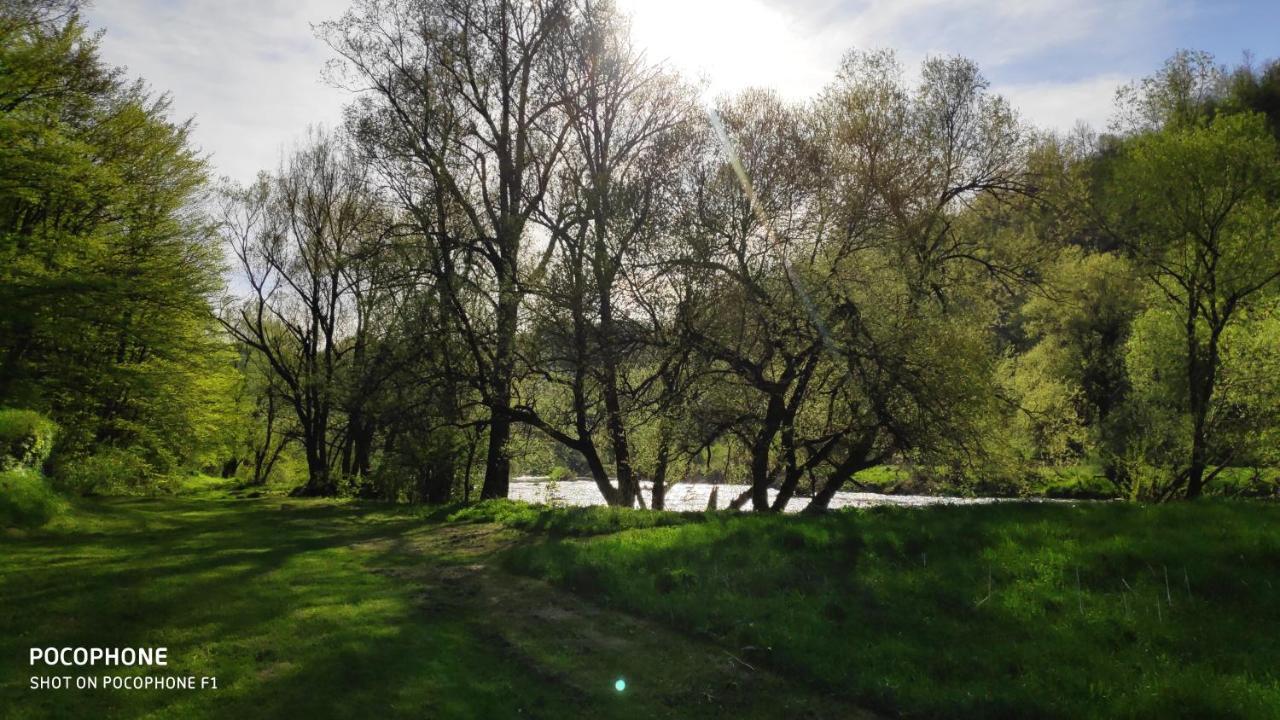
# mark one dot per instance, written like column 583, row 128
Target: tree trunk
column 435, row 485
column 1195, row 473
column 610, row 494
column 229, row 467
column 1202, row 374
column 497, row 471
column 627, row 486
column 760, row 453
column 822, row 498
column 319, row 479
column 857, row 460
column 362, row 459
column 791, row 476
column 760, row 475
column 497, row 466
column 658, row 496
column 466, row 474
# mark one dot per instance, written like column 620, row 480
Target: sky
column 250, row 71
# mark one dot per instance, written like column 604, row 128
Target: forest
column 531, row 249
column 276, row 428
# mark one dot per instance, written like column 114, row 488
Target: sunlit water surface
column 691, row 496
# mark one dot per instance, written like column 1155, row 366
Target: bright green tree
column 1196, row 208
column 106, row 267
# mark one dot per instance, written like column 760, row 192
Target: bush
column 1247, row 482
column 109, row 471
column 26, row 438
column 26, row 500
column 1073, row 481
column 560, row 473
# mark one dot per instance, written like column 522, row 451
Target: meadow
column 333, row 608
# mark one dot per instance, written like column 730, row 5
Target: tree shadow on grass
column 269, row 597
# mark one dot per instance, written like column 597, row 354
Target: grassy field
column 337, row 610
column 332, row 609
column 1047, row 611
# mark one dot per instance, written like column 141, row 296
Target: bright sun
column 733, row 44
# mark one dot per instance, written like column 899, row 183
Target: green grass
column 273, row 600
column 1047, row 611
column 568, row 521
column 340, row 609
column 1079, row 481
column 332, row 609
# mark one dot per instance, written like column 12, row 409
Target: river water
column 690, row 496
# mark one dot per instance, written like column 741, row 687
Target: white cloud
column 795, row 46
column 248, row 70
column 1061, row 106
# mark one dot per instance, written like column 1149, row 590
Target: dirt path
column 584, row 649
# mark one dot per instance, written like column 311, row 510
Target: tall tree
column 908, row 268
column 750, row 219
column 631, row 124
column 1196, row 208
column 299, row 237
column 461, row 94
column 106, row 268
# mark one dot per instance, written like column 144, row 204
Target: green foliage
column 1047, row 611
column 1249, row 482
column 1073, row 481
column 109, row 471
column 26, row 438
column 1182, row 94
column 26, row 500
column 1196, row 207
column 1073, row 380
column 106, row 267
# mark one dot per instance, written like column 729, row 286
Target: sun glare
column 732, row 44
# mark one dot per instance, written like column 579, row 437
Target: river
column 691, row 496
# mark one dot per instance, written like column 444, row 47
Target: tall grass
column 1097, row 610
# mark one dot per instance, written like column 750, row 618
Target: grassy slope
column 318, row 610
column 991, row 611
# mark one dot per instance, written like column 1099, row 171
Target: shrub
column 560, row 473
column 1074, row 481
column 1247, row 482
column 26, row 500
column 26, row 438
column 109, row 471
